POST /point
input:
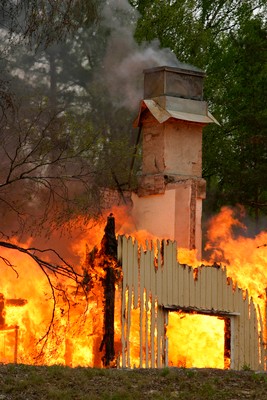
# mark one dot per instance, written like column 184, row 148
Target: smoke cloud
column 125, row 60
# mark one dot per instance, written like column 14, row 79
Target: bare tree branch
column 63, row 269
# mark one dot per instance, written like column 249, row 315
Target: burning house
column 139, row 306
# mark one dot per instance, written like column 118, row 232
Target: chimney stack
column 168, row 202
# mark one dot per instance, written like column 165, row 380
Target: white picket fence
column 154, row 283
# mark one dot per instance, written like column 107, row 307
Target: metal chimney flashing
column 185, row 110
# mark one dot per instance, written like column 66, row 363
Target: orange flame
column 74, row 338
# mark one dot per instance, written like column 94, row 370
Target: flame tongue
column 76, row 336
column 246, row 258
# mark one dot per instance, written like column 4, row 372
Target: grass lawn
column 64, row 383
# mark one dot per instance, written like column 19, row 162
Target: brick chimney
column 172, row 115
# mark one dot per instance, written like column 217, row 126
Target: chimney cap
column 180, row 68
column 177, row 81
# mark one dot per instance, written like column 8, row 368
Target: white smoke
column 125, row 60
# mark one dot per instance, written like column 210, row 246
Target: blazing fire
column 47, row 319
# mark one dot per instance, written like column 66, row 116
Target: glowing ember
column 74, row 338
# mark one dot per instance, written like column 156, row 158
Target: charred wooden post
column 109, row 241
column 2, row 312
column 227, row 342
column 16, row 344
column 264, row 335
column 109, row 252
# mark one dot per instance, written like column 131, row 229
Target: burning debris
column 117, row 322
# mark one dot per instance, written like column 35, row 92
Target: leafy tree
column 67, row 73
column 42, row 22
column 242, row 144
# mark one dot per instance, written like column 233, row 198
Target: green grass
column 21, row 382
